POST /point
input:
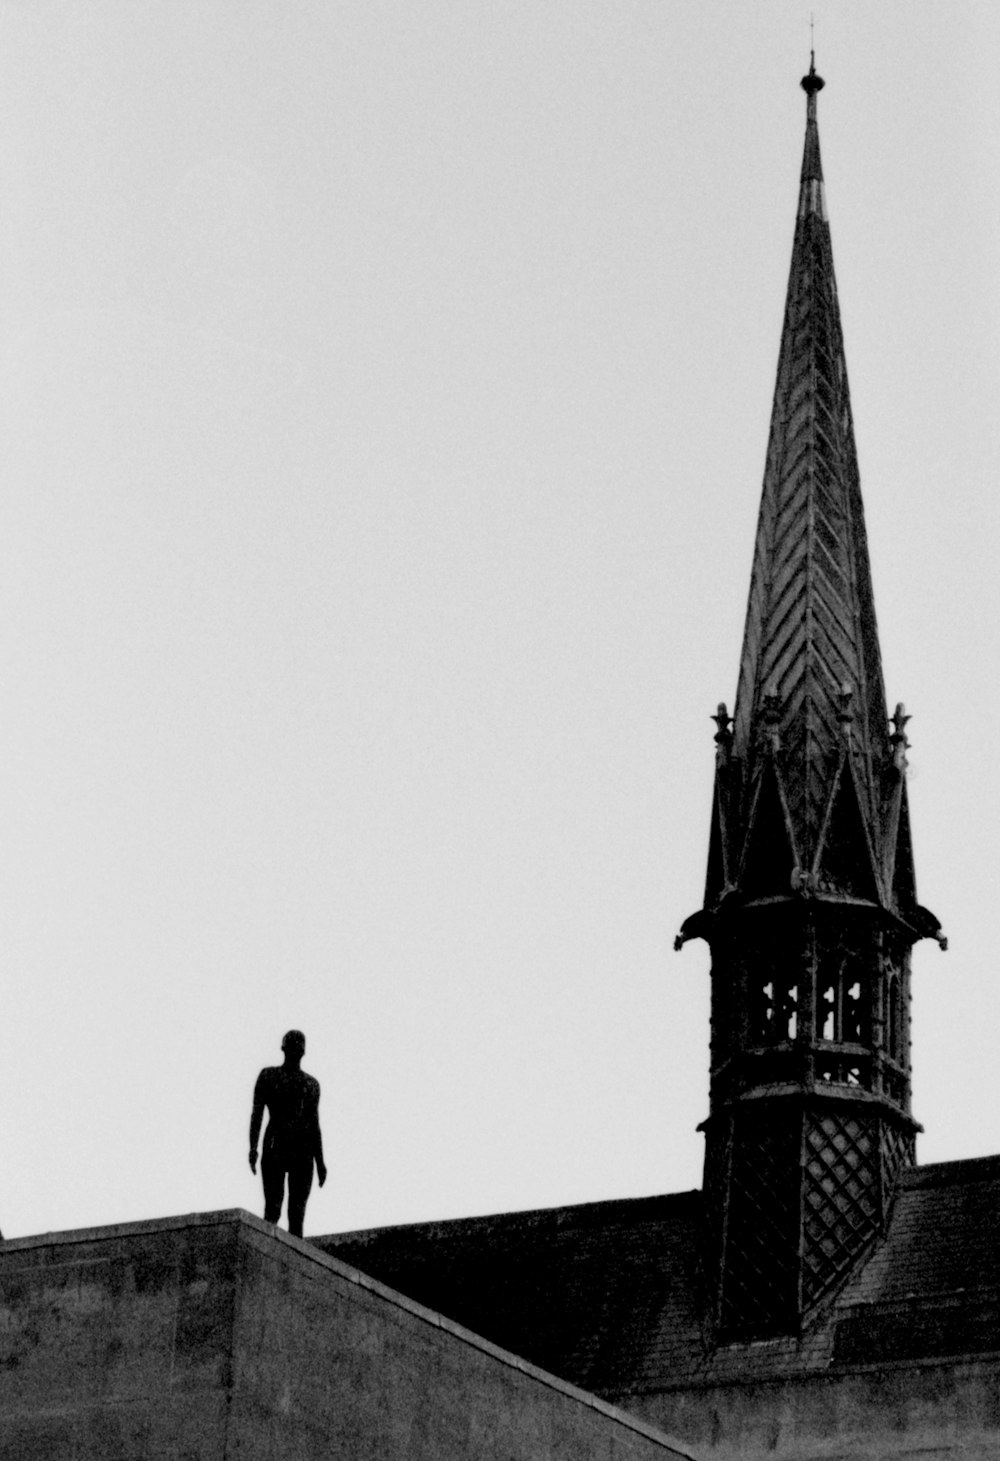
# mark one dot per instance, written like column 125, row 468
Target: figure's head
column 294, row 1043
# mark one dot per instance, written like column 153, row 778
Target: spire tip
column 812, row 83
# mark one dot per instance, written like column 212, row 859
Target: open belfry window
column 775, row 998
column 845, row 990
column 845, row 1000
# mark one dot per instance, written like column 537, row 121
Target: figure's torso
column 292, row 1101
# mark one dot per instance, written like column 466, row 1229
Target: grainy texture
column 605, row 1294
column 810, row 625
column 610, row 1296
column 810, row 905
column 215, row 1337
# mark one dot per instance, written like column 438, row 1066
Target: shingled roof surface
column 602, row 1294
column 610, row 1295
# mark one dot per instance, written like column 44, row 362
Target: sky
column 384, row 393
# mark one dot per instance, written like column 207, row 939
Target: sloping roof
column 604, row 1294
column 608, row 1295
column 934, row 1287
column 810, row 632
column 810, row 795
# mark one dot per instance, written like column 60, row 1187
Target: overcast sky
column 384, row 393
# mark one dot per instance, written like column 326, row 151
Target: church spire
column 811, row 642
column 810, row 903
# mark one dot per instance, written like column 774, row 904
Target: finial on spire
column 898, row 739
column 812, row 83
column 811, row 198
column 723, row 720
column 724, row 733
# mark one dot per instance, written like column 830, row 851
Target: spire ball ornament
column 812, row 83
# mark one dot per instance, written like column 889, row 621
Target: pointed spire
column 810, row 904
column 811, row 198
column 811, row 644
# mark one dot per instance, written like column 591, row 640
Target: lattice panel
column 718, row 1154
column 841, row 1197
column 760, row 1281
column 898, row 1153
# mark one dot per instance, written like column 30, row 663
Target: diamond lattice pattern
column 759, row 1288
column 841, row 1197
column 898, row 1152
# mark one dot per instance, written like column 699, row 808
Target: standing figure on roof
column 292, row 1141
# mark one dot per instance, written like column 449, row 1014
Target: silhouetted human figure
column 292, row 1141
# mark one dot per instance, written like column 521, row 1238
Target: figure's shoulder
column 311, row 1083
column 268, row 1074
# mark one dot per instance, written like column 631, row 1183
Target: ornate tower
column 810, row 902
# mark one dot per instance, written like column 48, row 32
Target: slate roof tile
column 612, row 1295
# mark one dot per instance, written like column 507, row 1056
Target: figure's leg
column 300, row 1181
column 272, row 1170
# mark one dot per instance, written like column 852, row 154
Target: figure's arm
column 256, row 1117
column 318, row 1142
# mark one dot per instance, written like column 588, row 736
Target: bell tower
column 810, row 904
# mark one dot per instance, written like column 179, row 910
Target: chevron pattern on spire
column 810, row 906
column 810, row 645
column 810, row 791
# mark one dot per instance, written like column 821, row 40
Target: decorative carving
column 811, row 920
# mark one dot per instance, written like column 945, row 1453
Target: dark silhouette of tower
column 810, row 903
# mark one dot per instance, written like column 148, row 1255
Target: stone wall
column 214, row 1337
column 927, row 1411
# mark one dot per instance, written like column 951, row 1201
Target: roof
column 608, row 1295
column 810, row 796
column 602, row 1294
column 810, row 629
